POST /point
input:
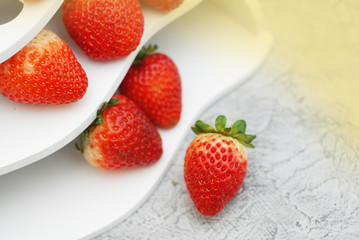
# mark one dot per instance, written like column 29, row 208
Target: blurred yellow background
column 321, row 36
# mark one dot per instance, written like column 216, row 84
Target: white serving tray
column 29, row 132
column 216, row 46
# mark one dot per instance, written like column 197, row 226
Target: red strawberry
column 45, row 71
column 122, row 136
column 104, row 29
column 215, row 164
column 165, row 5
column 153, row 82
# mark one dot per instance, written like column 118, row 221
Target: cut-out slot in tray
column 214, row 52
column 27, row 19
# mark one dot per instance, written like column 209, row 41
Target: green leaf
column 195, row 130
column 245, row 139
column 248, row 145
column 237, row 130
column 249, row 138
column 204, row 127
column 144, row 52
column 83, row 138
column 78, row 147
column 98, row 120
column 220, row 123
column 238, row 127
column 105, row 105
column 240, row 137
column 113, row 101
column 103, row 108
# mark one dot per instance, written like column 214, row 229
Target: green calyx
column 237, row 130
column 98, row 121
column 144, row 52
column 83, row 138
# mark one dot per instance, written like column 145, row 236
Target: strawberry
column 215, row 164
column 153, row 82
column 165, row 5
column 122, row 136
column 45, row 71
column 104, row 29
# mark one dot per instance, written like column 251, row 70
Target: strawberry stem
column 237, row 130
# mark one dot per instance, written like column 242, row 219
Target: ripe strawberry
column 122, row 136
column 165, row 5
column 215, row 164
column 153, row 82
column 45, row 71
column 104, row 29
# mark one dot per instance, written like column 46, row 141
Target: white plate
column 30, row 132
column 63, row 197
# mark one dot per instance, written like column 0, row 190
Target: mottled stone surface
column 303, row 176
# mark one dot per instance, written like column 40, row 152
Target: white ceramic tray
column 62, row 197
column 29, row 132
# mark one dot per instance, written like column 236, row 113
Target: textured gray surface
column 302, row 179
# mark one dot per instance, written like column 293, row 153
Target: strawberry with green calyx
column 104, row 29
column 216, row 163
column 121, row 136
column 45, row 71
column 154, row 83
column 144, row 52
column 98, row 121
